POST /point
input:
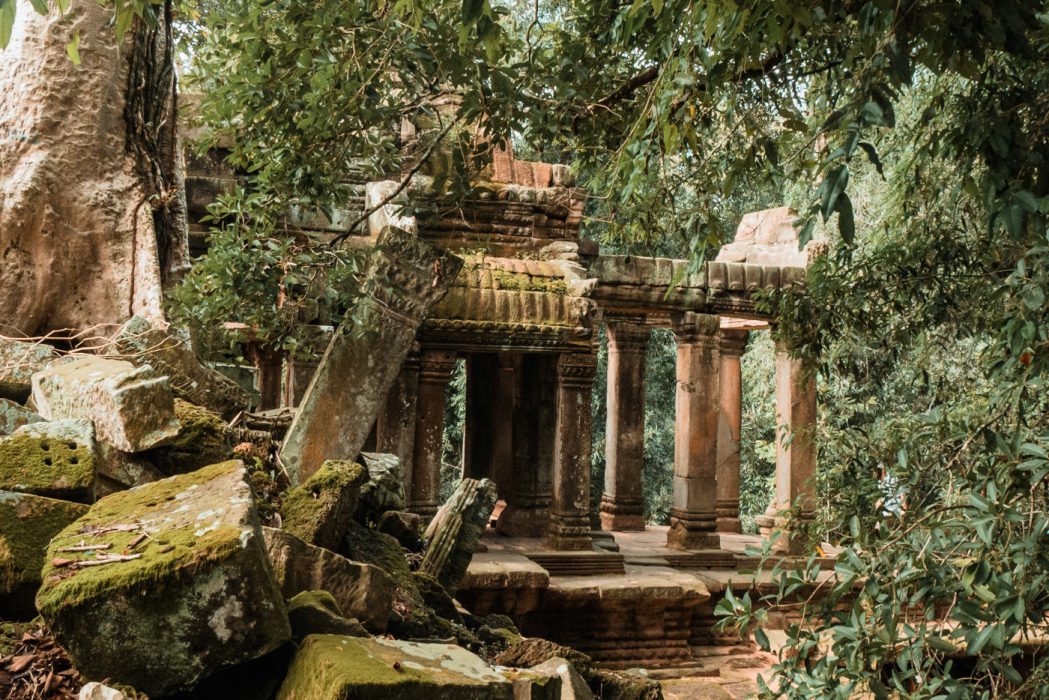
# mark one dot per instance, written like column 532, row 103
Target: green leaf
column 7, row 21
column 940, row 644
column 1034, row 297
column 846, row 219
column 472, row 10
column 73, row 48
column 762, row 639
column 40, row 6
column 834, row 184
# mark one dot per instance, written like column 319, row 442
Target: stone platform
column 645, row 605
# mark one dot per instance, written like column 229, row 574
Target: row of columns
column 708, row 406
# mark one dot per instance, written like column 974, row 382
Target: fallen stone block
column 529, row 685
column 319, row 511
column 14, row 415
column 362, row 591
column 317, row 612
column 189, row 377
column 55, row 459
column 455, row 531
column 203, row 438
column 573, row 687
column 116, row 470
column 27, row 524
column 162, row 585
column 384, row 490
column 330, row 667
column 19, row 361
column 130, row 407
column 403, row 527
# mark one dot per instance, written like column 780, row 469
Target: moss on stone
column 170, row 553
column 521, row 282
column 317, row 612
column 8, row 571
column 33, row 460
column 27, row 524
column 319, row 511
column 202, row 439
column 11, row 636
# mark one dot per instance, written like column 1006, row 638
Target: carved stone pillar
column 570, row 518
column 795, row 449
column 622, row 503
column 435, row 369
column 693, row 517
column 395, row 432
column 490, row 394
column 730, row 421
column 527, row 512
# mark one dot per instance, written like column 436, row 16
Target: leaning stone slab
column 27, row 524
column 19, row 360
column 55, row 459
column 453, row 534
column 319, row 511
column 185, row 589
column 332, row 667
column 131, row 407
column 14, row 415
column 362, row 591
column 189, row 377
column 406, row 276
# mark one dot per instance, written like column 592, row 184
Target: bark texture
column 78, row 246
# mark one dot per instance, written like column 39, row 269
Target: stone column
column 730, row 421
column 622, row 504
column 396, row 422
column 527, row 512
column 570, row 512
column 435, row 369
column 693, row 517
column 795, row 449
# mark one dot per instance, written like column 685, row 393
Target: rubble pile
column 149, row 549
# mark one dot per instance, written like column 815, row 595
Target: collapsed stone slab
column 331, row 667
column 14, row 415
column 189, row 377
column 130, row 407
column 362, row 591
column 406, row 277
column 55, row 459
column 453, row 534
column 27, row 524
column 19, row 361
column 319, row 511
column 178, row 586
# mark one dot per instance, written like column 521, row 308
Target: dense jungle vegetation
column 913, row 136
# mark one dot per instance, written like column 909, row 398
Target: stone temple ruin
column 524, row 312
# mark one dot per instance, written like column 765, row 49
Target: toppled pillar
column 190, row 378
column 363, row 359
column 454, row 532
column 130, row 407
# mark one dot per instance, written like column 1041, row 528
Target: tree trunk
column 78, row 203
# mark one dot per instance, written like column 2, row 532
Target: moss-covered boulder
column 185, row 589
column 27, row 524
column 203, row 438
column 317, row 612
column 55, row 459
column 330, row 667
column 319, row 511
column 363, row 591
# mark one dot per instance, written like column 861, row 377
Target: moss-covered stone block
column 317, row 612
column 55, row 459
column 330, row 667
column 319, row 511
column 363, row 591
column 199, row 594
column 203, row 438
column 27, row 524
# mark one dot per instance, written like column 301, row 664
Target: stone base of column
column 728, row 517
column 526, row 520
column 425, row 510
column 787, row 542
column 692, row 530
column 618, row 513
column 569, row 531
